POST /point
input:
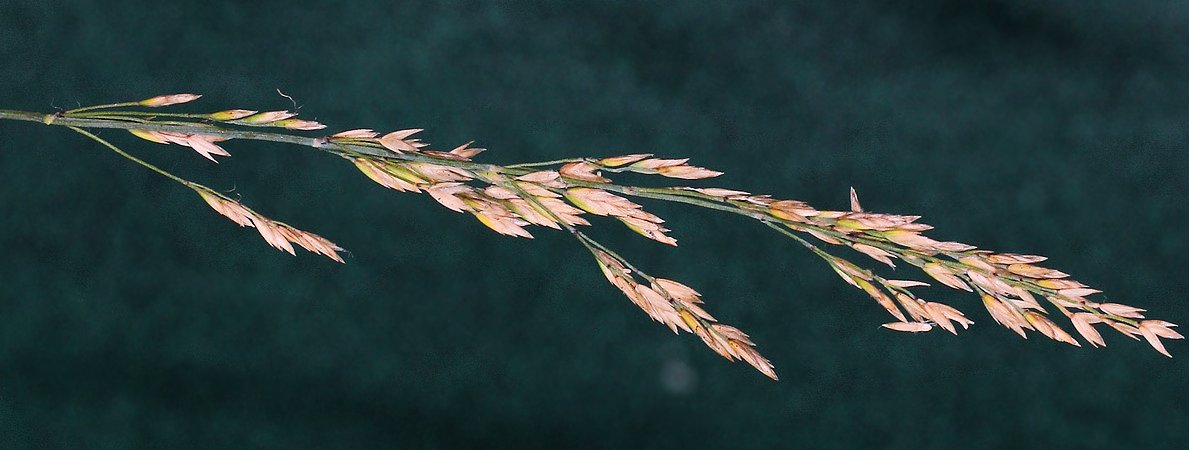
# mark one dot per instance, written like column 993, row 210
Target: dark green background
column 133, row 316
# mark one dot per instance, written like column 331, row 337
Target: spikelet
column 688, row 172
column 1122, row 310
column 945, row 276
column 298, row 124
column 499, row 218
column 1082, row 322
column 203, row 144
column 1153, row 330
column 382, row 174
column 265, row 118
column 1044, row 326
column 356, row 134
column 914, row 307
column 463, row 152
column 875, row 253
column 1012, row 258
column 910, row 327
column 583, row 171
column 1031, row 271
column 880, row 297
column 652, row 164
column 616, row 161
column 436, row 173
column 230, row 114
column 450, row 195
column 541, row 177
column 603, row 203
column 167, row 100
column 722, row 194
column 1007, row 315
column 399, row 141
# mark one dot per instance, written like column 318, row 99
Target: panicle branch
column 279, row 235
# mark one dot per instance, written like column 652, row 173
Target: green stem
column 546, row 163
column 98, row 114
column 109, row 105
column 134, row 159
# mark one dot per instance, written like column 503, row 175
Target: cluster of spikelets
column 277, row 234
column 510, row 199
column 676, row 305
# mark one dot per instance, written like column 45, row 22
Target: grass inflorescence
column 512, row 199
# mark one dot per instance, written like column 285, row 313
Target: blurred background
column 133, row 316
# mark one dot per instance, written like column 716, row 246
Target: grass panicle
column 1016, row 291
